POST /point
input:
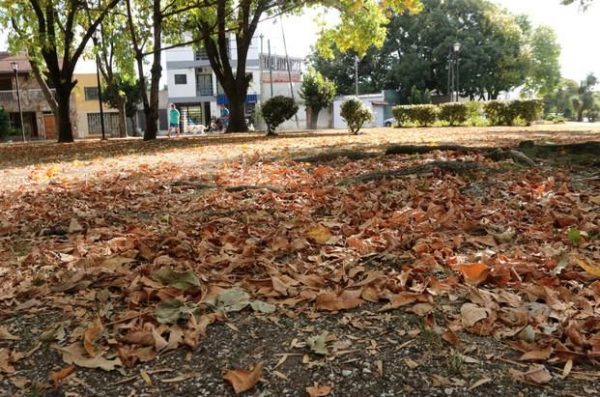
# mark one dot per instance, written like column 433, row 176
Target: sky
column 577, row 32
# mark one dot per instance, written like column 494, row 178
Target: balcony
column 31, row 100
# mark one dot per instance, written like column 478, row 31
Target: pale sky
column 577, row 33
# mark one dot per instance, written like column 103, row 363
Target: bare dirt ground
column 172, row 264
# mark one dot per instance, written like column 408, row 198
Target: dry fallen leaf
column 591, row 269
column 537, row 374
column 57, row 376
column 471, row 314
column 474, row 273
column 243, row 380
column 318, row 391
column 320, row 234
column 6, row 335
column 537, row 355
column 76, row 354
column 330, row 301
column 90, row 336
column 6, row 361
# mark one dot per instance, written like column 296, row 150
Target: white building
column 194, row 89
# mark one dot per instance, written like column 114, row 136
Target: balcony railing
column 27, row 96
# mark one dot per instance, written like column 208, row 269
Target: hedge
column 422, row 115
column 497, row 112
column 356, row 114
column 453, row 113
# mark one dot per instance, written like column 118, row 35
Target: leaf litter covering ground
column 141, row 264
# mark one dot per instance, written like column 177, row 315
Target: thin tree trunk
column 121, row 102
column 37, row 74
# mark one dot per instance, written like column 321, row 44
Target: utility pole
column 15, row 66
column 270, row 67
column 287, row 61
column 100, row 97
column 356, row 73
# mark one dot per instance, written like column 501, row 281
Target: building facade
column 38, row 120
column 194, row 89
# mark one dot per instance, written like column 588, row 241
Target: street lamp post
column 453, row 72
column 100, row 97
column 15, row 67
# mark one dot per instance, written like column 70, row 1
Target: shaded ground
column 81, row 240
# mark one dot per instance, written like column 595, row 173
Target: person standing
column 225, row 117
column 173, row 120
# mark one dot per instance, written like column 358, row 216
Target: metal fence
column 111, row 124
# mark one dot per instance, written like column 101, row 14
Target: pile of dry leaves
column 143, row 261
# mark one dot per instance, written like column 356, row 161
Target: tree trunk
column 156, row 71
column 237, row 112
column 65, row 128
column 121, row 102
column 314, row 118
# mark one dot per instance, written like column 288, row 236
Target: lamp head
column 456, row 47
column 15, row 66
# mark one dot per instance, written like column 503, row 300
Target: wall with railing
column 32, row 100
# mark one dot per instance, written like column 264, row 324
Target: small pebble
column 366, row 371
column 346, row 372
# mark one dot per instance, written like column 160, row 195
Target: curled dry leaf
column 6, row 361
column 242, row 380
column 537, row 355
column 91, row 334
column 57, row 376
column 318, row 391
column 474, row 273
column 591, row 269
column 537, row 374
column 320, row 234
column 471, row 314
column 330, row 301
column 76, row 354
column 6, row 335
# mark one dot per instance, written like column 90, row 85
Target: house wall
column 84, row 107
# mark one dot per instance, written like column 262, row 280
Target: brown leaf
column 318, row 391
column 6, row 361
column 537, row 355
column 6, row 335
column 57, row 376
column 76, row 354
column 243, row 380
column 474, row 273
column 471, row 314
column 401, row 299
column 90, row 336
column 330, row 301
column 537, row 374
column 319, row 233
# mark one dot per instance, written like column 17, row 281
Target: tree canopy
column 499, row 51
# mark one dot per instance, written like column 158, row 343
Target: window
column 204, row 85
column 200, row 55
column 91, row 93
column 180, row 79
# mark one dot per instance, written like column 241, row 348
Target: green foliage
column 4, row 124
column 499, row 52
column 555, row 118
column 356, row 114
column 593, row 114
column 418, row 97
column 574, row 236
column 475, row 116
column 453, row 113
column 422, row 115
column 318, row 93
column 277, row 110
column 508, row 112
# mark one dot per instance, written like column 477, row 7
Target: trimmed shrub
column 276, row 110
column 356, row 114
column 529, row 110
column 507, row 112
column 424, row 115
column 453, row 113
column 402, row 114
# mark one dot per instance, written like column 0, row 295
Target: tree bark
column 63, row 99
column 37, row 74
column 237, row 112
column 122, row 102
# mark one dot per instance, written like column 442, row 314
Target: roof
column 379, row 103
column 7, row 59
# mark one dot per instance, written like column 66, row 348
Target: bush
column 5, row 129
column 402, row 114
column 277, row 110
column 422, row 115
column 453, row 113
column 529, row 110
column 555, row 118
column 356, row 114
column 507, row 112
